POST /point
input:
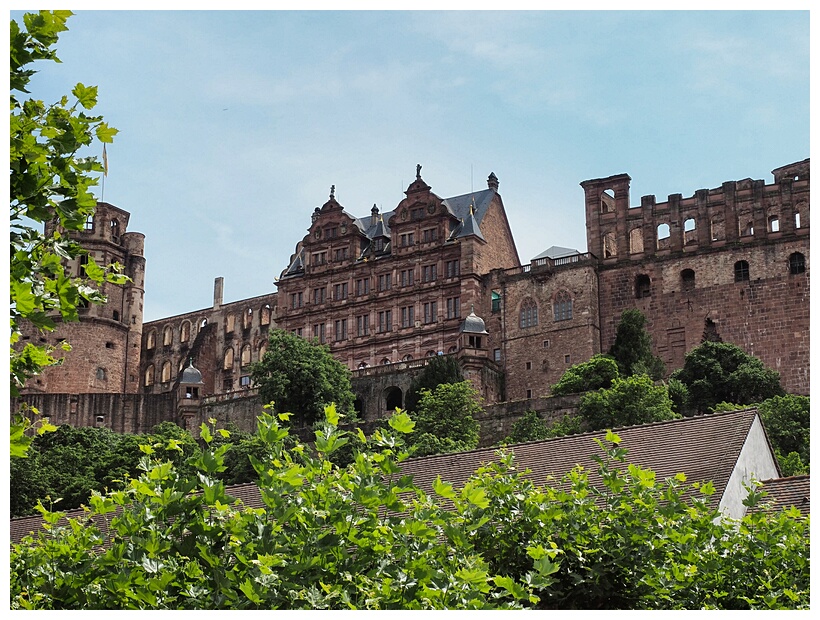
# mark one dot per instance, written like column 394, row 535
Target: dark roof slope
column 783, row 493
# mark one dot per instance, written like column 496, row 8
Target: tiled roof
column 784, row 493
column 705, row 448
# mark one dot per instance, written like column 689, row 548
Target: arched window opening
column 264, row 315
column 607, row 201
column 263, row 348
column 687, row 279
column 151, row 340
column 747, row 228
column 430, row 354
column 246, row 355
column 385, row 361
column 690, row 233
column 115, row 231
column 452, row 349
column 636, row 241
column 166, row 372
column 774, row 223
column 167, row 336
column 101, row 374
column 227, row 359
column 407, row 358
column 149, row 375
column 247, row 318
column 663, row 236
column 185, row 331
column 529, row 314
column 643, row 286
column 363, row 365
column 562, row 306
column 797, row 263
column 741, row 271
column 610, row 247
column 203, row 323
column 393, row 398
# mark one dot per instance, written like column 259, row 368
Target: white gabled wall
column 756, row 461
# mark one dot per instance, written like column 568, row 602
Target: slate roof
column 783, row 493
column 556, row 251
column 705, row 448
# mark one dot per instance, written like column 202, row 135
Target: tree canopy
column 439, row 369
column 597, row 372
column 446, row 419
column 630, row 400
column 715, row 372
column 302, row 377
column 632, row 349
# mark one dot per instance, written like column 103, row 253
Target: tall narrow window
column 687, row 279
column 264, row 315
column 453, row 308
column 610, row 248
column 166, row 372
column 227, row 359
column 430, row 311
column 741, row 271
column 643, row 286
column 562, row 306
column 529, row 314
column 246, row 355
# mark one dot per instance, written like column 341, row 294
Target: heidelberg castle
column 442, row 276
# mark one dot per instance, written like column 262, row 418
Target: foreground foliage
column 365, row 536
column 50, row 182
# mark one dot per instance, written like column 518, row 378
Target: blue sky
column 234, row 124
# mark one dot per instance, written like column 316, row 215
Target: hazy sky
column 234, row 124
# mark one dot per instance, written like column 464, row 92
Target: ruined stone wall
column 737, row 256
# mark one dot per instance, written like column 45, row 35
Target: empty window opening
column 474, row 342
column 636, row 241
column 227, row 359
column 687, row 278
column 230, row 321
column 393, row 398
column 797, row 263
column 566, row 358
column 529, row 394
column 363, row 365
column 264, row 315
column 166, row 372
column 263, row 348
column 109, row 345
column 385, row 361
column 663, row 236
column 643, row 286
column 747, row 229
column 407, row 358
column 149, row 375
column 167, row 335
column 607, row 201
column 546, row 344
column 116, row 315
column 529, row 314
column 151, row 340
column 101, row 374
column 690, row 234
column 774, row 223
column 562, row 307
column 247, row 318
column 528, row 365
column 115, row 231
column 610, row 247
column 246, row 355
column 185, row 332
column 741, row 271
column 203, row 323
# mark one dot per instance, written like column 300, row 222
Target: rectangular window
column 384, row 281
column 453, row 268
column 566, row 358
column 546, row 344
column 297, row 331
column 417, row 213
column 528, row 365
column 407, row 316
column 296, row 300
column 331, row 232
column 429, row 234
column 453, row 308
column 429, row 273
column 319, row 258
column 496, row 301
column 319, row 295
column 340, row 329
column 362, row 286
column 386, row 321
column 245, row 381
column 406, row 277
column 340, row 254
column 319, row 332
column 496, row 355
column 363, row 325
column 340, row 291
column 430, row 311
column 406, row 239
column 529, row 393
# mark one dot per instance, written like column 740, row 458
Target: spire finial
column 418, row 171
column 332, row 191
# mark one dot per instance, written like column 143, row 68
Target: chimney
column 218, row 292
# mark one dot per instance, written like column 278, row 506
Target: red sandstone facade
column 390, row 289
